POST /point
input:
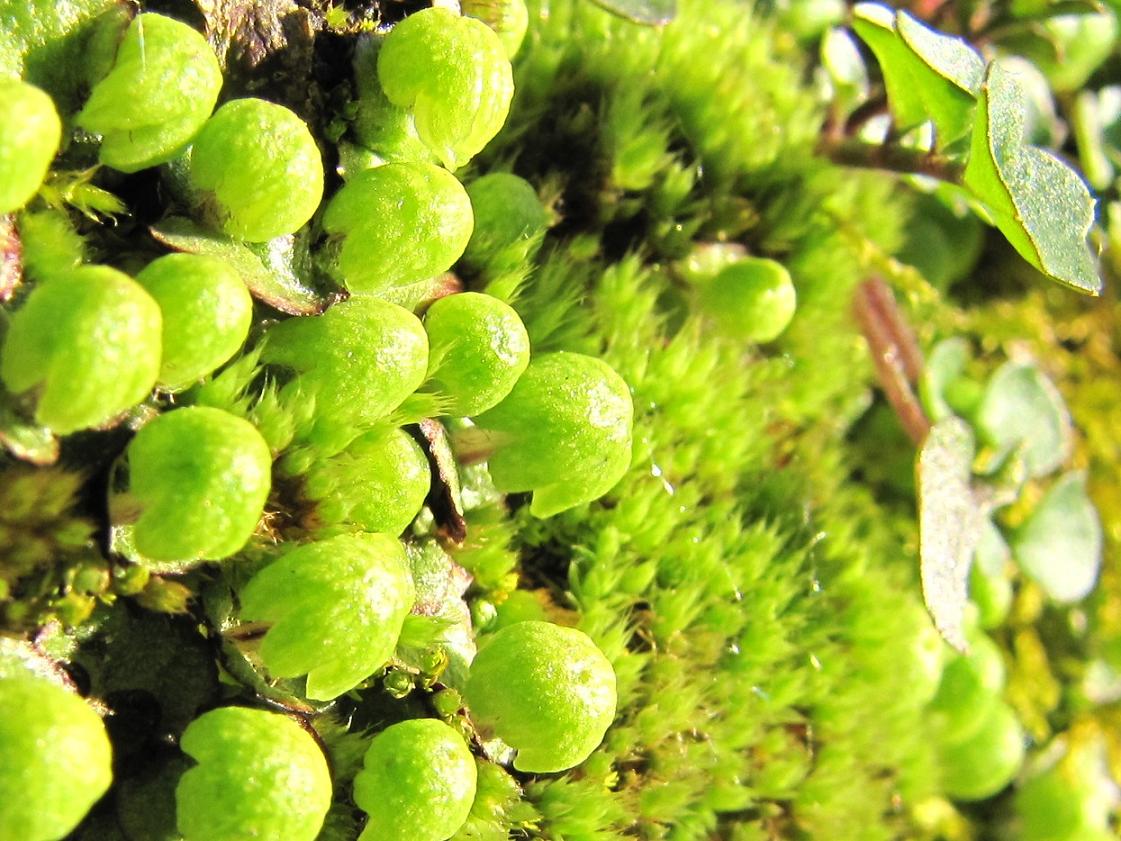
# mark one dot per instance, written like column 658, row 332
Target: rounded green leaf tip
column 163, row 85
column 545, row 690
column 200, row 477
column 752, row 300
column 88, row 341
column 378, row 483
column 206, row 311
column 337, row 605
column 982, row 764
column 453, row 73
column 259, row 775
column 30, row 131
column 398, row 224
column 509, row 218
column 359, row 360
column 479, row 349
column 57, row 760
column 563, row 432
column 418, row 782
column 257, row 170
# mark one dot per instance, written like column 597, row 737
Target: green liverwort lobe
column 752, row 300
column 259, row 775
column 337, row 607
column 564, row 432
column 398, row 224
column 509, row 219
column 88, row 341
column 162, row 87
column 359, row 360
column 380, row 126
column 546, row 690
column 257, row 170
column 57, row 760
column 206, row 314
column 418, row 782
column 378, row 483
column 200, row 477
column 453, row 73
column 479, row 349
column 30, row 131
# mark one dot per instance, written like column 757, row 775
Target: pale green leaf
column 1039, row 203
column 1022, row 408
column 944, row 365
column 1060, row 545
column 951, row 521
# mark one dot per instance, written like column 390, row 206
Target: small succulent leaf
column 1060, row 544
column 1097, row 150
column 845, row 66
column 1039, row 203
column 1022, row 408
column 270, row 270
column 950, row 524
column 646, row 12
column 944, row 365
column 928, row 75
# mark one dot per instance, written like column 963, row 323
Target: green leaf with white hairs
column 928, row 75
column 1038, row 202
column 951, row 521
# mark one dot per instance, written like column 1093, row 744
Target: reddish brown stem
column 896, row 355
